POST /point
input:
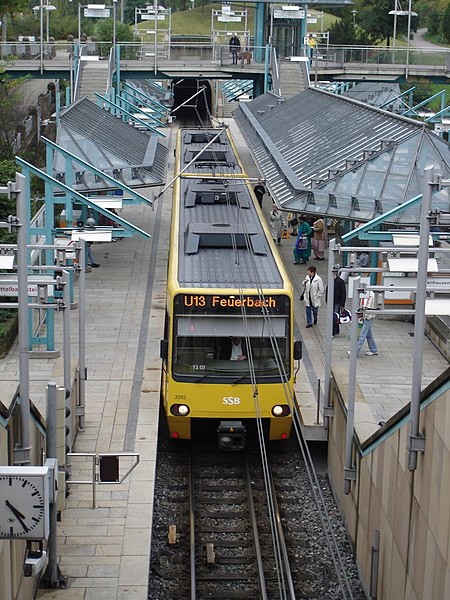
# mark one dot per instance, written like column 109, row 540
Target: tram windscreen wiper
column 235, row 381
column 202, row 377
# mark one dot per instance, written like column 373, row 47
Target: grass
column 197, row 21
column 435, row 39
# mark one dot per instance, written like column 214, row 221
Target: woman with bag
column 302, row 249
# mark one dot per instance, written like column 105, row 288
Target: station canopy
column 377, row 93
column 322, row 154
column 134, row 158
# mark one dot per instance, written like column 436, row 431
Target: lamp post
column 397, row 12
column 114, row 29
column 79, row 24
column 354, row 15
column 410, row 14
column 40, row 8
column 48, row 7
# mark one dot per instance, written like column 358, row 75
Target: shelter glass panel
column 380, row 163
column 371, row 185
column 348, row 183
column 395, row 188
column 404, row 157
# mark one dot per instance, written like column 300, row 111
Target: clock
column 24, row 502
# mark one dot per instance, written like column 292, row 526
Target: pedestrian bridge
column 210, row 61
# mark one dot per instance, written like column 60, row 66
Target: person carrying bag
column 302, row 249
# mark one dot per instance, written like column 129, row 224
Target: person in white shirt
column 312, row 295
column 276, row 223
column 237, row 350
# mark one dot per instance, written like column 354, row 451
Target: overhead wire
column 289, row 394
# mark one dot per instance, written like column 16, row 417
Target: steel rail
column 289, row 584
column 254, row 524
column 193, row 582
column 331, row 542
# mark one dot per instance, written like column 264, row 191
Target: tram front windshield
column 218, row 346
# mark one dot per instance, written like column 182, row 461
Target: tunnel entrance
column 197, row 101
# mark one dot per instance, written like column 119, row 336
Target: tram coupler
column 231, row 435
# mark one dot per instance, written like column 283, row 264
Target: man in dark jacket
column 259, row 191
column 339, row 297
column 235, row 47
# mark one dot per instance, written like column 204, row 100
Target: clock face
column 23, row 507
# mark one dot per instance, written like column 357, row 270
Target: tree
column 445, row 24
column 374, row 18
column 13, row 110
column 10, row 7
column 346, row 33
column 104, row 31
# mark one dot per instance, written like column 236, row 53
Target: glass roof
column 104, row 141
column 325, row 154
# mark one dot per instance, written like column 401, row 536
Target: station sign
column 98, row 13
column 288, row 14
column 229, row 19
column 151, row 17
column 10, row 287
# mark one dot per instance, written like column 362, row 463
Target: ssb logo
column 231, row 400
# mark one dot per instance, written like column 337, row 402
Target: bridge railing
column 377, row 55
column 205, row 51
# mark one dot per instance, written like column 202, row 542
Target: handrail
column 205, row 51
column 275, row 67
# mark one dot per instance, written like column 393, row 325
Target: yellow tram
column 228, row 350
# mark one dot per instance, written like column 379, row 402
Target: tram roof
column 93, row 134
column 324, row 154
column 222, row 245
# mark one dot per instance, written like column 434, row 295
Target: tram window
column 212, row 355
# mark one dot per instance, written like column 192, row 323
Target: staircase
column 94, row 78
column 294, row 77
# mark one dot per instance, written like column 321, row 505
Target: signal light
column 175, row 435
column 284, row 436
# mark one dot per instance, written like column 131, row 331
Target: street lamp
column 398, row 12
column 114, row 29
column 354, row 15
column 41, row 35
column 41, row 8
column 48, row 7
column 410, row 14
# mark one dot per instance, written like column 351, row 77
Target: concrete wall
column 411, row 510
column 13, row 585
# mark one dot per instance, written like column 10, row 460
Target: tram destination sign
column 232, row 303
column 229, row 301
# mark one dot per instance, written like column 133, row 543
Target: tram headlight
column 179, row 410
column 281, row 410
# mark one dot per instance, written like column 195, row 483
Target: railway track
column 240, row 534
column 230, row 559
